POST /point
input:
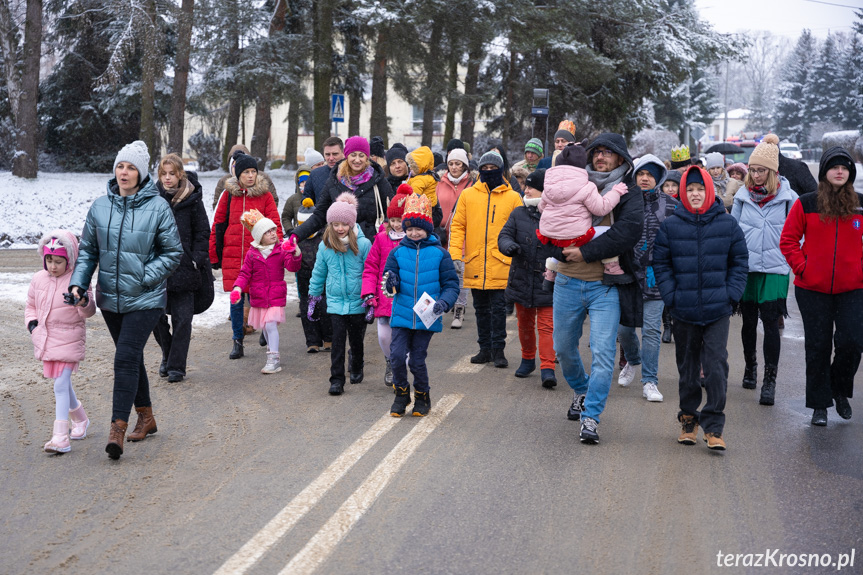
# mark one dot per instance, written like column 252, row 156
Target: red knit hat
column 396, row 208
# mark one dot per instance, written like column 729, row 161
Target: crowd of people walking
column 398, row 238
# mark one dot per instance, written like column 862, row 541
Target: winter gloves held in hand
column 511, row 251
column 290, row 245
column 236, row 294
column 390, row 284
column 314, row 313
column 370, row 303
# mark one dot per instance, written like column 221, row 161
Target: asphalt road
column 494, row 482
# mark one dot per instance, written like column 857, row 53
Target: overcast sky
column 781, row 17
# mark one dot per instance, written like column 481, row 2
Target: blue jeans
column 573, row 300
column 650, row 342
column 237, row 318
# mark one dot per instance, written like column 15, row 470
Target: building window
column 417, row 124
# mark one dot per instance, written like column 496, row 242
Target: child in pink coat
column 569, row 203
column 59, row 333
column 373, row 270
column 263, row 277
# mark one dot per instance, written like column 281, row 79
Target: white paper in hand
column 424, row 308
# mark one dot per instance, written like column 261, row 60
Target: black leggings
column 749, row 333
column 130, row 332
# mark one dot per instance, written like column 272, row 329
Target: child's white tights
column 385, row 335
column 271, row 333
column 64, row 394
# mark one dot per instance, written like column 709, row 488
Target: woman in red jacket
column 248, row 190
column 828, row 270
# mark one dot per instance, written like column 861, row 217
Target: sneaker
column 273, row 365
column 588, row 431
column 650, row 392
column 574, row 413
column 689, row 430
column 714, row 441
column 388, row 374
column 626, row 375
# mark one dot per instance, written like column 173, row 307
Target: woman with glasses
column 828, row 282
column 761, row 207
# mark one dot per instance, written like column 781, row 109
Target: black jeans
column 175, row 347
column 316, row 332
column 749, row 333
column 130, row 332
column 416, row 343
column 703, row 347
column 352, row 328
column 490, row 308
column 820, row 313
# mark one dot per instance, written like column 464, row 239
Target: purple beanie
column 344, row 209
column 357, row 144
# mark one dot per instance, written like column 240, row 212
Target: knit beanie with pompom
column 766, row 153
column 344, row 210
column 396, row 209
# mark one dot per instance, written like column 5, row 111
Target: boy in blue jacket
column 700, row 260
column 418, row 264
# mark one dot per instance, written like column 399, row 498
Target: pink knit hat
column 54, row 248
column 344, row 209
column 357, row 144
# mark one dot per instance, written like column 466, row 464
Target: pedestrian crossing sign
column 337, row 108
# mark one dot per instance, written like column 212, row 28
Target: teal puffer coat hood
column 135, row 243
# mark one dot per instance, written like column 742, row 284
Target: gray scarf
column 605, row 181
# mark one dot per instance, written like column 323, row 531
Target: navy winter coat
column 518, row 240
column 423, row 266
column 701, row 262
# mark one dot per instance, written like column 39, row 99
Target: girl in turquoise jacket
column 339, row 269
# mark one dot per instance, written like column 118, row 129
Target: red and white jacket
column 830, row 260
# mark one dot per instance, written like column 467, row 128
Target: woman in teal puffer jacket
column 130, row 233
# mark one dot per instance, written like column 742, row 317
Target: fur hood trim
column 67, row 240
column 259, row 189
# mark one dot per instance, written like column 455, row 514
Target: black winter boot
column 750, row 372
column 484, row 356
column 163, row 367
column 499, row 358
column 768, row 387
column 667, row 323
column 237, row 350
column 401, row 402
column 422, row 403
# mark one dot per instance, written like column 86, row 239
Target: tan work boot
column 714, row 441
column 689, row 430
column 145, row 424
column 114, row 449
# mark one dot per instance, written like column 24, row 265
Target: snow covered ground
column 29, row 208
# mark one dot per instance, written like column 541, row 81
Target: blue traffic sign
column 337, row 108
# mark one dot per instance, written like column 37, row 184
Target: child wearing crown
column 263, row 277
column 418, row 265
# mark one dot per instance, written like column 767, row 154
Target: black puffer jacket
column 366, row 208
column 798, row 175
column 518, row 240
column 194, row 229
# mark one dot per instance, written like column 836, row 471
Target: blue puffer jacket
column 135, row 243
column 700, row 262
column 342, row 274
column 763, row 226
column 423, row 266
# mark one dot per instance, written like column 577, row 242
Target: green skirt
column 765, row 295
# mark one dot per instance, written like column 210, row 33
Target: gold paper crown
column 567, row 125
column 250, row 218
column 680, row 154
column 417, row 205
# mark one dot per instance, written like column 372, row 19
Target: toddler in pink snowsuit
column 569, row 203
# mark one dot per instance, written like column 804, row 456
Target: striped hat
column 418, row 213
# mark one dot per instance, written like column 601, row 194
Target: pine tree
column 823, row 96
column 851, row 85
column 792, row 116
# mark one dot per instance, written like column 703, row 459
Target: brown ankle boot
column 114, row 449
column 145, row 424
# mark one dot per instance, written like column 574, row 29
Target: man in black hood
column 582, row 289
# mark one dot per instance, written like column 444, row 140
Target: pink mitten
column 236, row 295
column 620, row 188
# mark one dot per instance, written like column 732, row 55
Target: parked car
column 790, row 150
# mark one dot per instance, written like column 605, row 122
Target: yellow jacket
column 421, row 161
column 479, row 216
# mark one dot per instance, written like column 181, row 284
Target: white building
column 737, row 120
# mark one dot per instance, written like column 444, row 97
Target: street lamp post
column 540, row 110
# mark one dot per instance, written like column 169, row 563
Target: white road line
column 324, row 542
column 251, row 552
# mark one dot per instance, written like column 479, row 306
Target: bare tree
column 761, row 68
column 181, row 76
column 21, row 67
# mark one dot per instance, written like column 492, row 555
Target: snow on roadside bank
column 29, row 208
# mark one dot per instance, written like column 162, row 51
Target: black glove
column 217, row 266
column 32, row 325
column 512, row 250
